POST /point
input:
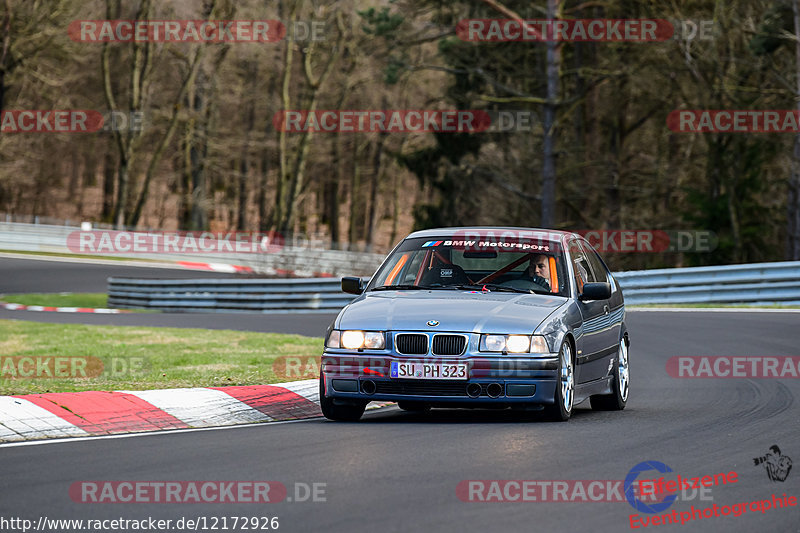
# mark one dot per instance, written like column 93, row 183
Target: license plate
column 408, row 370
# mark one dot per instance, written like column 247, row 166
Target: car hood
column 477, row 312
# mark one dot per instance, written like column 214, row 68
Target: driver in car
column 539, row 270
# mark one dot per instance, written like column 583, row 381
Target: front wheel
column 561, row 409
column 619, row 390
column 346, row 412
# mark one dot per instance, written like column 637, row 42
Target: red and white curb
column 20, row 307
column 82, row 414
column 239, row 269
column 217, row 267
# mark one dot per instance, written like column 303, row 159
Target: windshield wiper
column 399, row 287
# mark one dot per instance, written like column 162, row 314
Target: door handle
column 605, row 309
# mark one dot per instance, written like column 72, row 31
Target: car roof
column 547, row 234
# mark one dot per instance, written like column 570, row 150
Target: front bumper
column 502, row 381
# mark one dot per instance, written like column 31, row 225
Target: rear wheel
column 561, row 409
column 619, row 389
column 349, row 412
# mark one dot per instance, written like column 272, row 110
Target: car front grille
column 422, row 388
column 449, row 344
column 412, row 343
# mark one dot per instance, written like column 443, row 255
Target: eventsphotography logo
column 775, row 463
column 716, row 511
column 667, row 491
column 728, row 367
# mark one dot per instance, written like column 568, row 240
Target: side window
column 583, row 272
column 599, row 269
column 411, row 270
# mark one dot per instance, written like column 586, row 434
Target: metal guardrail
column 755, row 284
column 229, row 295
column 301, row 260
column 763, row 283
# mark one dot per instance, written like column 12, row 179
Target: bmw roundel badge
column 433, row 323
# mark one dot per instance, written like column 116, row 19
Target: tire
column 414, row 407
column 343, row 413
column 564, row 397
column 620, row 387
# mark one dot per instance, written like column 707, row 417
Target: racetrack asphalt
column 52, row 274
column 396, row 471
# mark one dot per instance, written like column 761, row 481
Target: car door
column 592, row 351
column 605, row 328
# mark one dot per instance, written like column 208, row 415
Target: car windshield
column 494, row 264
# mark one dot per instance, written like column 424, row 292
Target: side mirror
column 353, row 285
column 596, row 291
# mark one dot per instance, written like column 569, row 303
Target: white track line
column 147, row 433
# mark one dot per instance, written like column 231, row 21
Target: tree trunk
column 331, row 192
column 793, row 199
column 283, row 149
column 109, row 171
column 4, row 52
column 373, row 190
column 356, row 205
column 553, row 73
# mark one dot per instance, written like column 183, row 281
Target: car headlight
column 356, row 340
column 513, row 344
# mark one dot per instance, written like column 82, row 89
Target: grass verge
column 140, row 358
column 61, row 299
